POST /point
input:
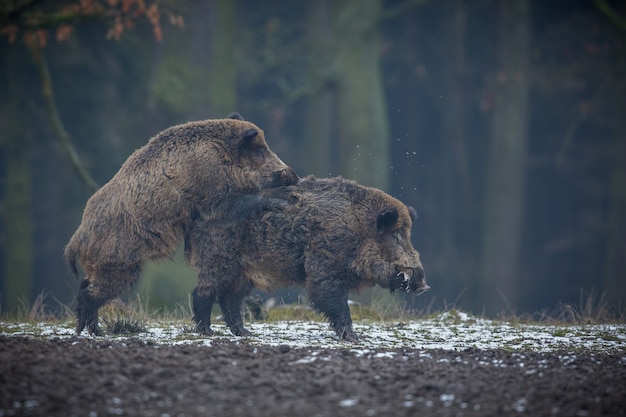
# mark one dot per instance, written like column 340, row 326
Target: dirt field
column 95, row 377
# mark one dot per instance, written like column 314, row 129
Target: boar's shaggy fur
column 145, row 210
column 332, row 236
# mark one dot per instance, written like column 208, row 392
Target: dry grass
column 120, row 318
column 592, row 308
column 40, row 310
column 133, row 316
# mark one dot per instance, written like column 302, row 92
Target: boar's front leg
column 230, row 303
column 202, row 303
column 332, row 301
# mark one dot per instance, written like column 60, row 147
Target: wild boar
column 332, row 236
column 145, row 210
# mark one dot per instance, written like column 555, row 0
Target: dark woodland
column 502, row 122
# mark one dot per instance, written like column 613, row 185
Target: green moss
column 361, row 312
column 293, row 312
column 609, row 337
column 560, row 332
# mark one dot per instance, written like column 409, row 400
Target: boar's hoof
column 347, row 335
column 241, row 331
column 204, row 329
column 94, row 329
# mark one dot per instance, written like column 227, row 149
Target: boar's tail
column 70, row 254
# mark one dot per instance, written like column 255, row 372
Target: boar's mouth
column 413, row 284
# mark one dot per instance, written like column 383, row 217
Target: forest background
column 501, row 121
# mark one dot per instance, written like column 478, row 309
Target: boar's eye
column 386, row 219
column 248, row 137
column 247, row 141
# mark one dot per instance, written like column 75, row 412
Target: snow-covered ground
column 448, row 331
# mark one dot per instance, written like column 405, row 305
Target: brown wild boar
column 145, row 210
column 332, row 236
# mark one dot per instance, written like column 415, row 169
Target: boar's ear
column 412, row 213
column 235, row 116
column 386, row 219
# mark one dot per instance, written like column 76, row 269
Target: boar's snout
column 283, row 177
column 413, row 280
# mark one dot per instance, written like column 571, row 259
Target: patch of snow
column 349, row 402
column 446, row 399
column 447, row 331
column 520, row 405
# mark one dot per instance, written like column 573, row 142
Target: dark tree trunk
column 18, row 234
column 506, row 168
column 222, row 74
column 318, row 145
column 614, row 287
column 455, row 181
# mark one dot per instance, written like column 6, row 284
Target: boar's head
column 263, row 166
column 386, row 256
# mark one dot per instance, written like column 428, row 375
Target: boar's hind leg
column 87, row 310
column 98, row 289
column 333, row 303
column 230, row 303
column 202, row 304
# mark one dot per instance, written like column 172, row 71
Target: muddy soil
column 91, row 377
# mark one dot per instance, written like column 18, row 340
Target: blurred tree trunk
column 222, row 74
column 319, row 112
column 362, row 125
column 614, row 286
column 211, row 31
column 18, row 234
column 455, row 180
column 506, row 167
column 17, row 225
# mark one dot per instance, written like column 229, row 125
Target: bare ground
column 95, row 377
